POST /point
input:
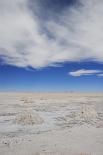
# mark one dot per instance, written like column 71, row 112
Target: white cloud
column 77, row 35
column 82, row 72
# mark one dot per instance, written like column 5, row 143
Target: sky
column 51, row 45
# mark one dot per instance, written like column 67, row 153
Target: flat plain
column 51, row 124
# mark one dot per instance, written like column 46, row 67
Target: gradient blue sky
column 51, row 45
column 50, row 79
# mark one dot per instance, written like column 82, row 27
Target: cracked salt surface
column 23, row 116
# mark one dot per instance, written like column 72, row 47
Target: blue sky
column 50, row 79
column 51, row 45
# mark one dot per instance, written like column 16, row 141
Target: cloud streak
column 83, row 72
column 73, row 35
column 101, row 75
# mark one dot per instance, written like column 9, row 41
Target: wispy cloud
column 74, row 35
column 100, row 74
column 82, row 72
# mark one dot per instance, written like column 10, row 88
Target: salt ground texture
column 51, row 124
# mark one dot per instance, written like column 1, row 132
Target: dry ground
column 51, row 124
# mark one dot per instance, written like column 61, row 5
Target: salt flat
column 51, row 124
